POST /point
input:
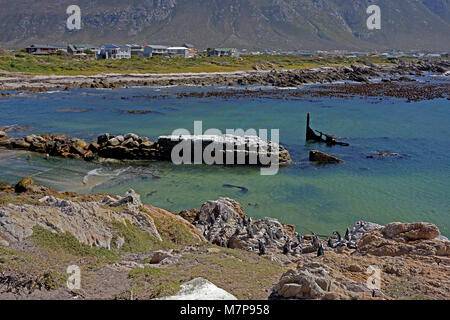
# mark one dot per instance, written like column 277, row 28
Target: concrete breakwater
column 227, row 149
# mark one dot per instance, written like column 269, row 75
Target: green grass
column 405, row 290
column 68, row 244
column 7, row 198
column 70, row 65
column 173, row 232
column 136, row 241
column 243, row 274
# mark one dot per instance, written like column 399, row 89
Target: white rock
column 200, row 289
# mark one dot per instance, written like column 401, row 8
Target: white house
column 111, row 51
column 155, row 50
column 178, row 52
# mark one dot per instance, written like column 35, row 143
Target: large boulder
column 23, row 185
column 321, row 157
column 411, row 231
column 361, row 228
column 200, row 289
column 314, row 281
column 397, row 239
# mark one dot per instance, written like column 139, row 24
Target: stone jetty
column 248, row 150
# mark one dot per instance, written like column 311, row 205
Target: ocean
column 322, row 199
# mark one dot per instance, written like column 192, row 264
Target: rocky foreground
column 360, row 72
column 128, row 250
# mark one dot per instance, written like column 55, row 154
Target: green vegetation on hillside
column 67, row 243
column 243, row 274
column 70, row 65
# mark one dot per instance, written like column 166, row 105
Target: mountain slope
column 286, row 24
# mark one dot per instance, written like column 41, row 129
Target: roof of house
column 154, row 46
column 110, row 46
column 188, row 45
column 81, row 46
column 224, row 49
column 47, row 46
column 177, row 48
column 134, row 46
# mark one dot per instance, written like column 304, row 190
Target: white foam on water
column 100, row 172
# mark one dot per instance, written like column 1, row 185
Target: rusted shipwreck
column 320, row 136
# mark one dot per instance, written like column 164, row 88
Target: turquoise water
column 318, row 198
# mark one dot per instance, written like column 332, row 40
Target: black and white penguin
column 299, row 238
column 347, row 235
column 321, row 250
column 212, row 219
column 338, row 236
column 331, row 244
column 287, row 247
column 261, row 247
column 315, row 241
column 351, row 245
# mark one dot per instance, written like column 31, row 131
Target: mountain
column 284, row 24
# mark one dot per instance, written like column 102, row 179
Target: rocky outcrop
column 295, row 78
column 323, row 158
column 226, row 149
column 24, row 185
column 250, row 149
column 163, row 257
column 224, row 223
column 411, row 231
column 381, row 155
column 90, row 222
column 317, row 281
column 397, row 239
column 200, row 289
column 361, row 228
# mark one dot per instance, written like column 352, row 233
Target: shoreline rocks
column 280, row 78
column 253, row 150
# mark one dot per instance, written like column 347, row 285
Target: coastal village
column 187, row 50
column 112, row 51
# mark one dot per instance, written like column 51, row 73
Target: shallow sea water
column 318, row 198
